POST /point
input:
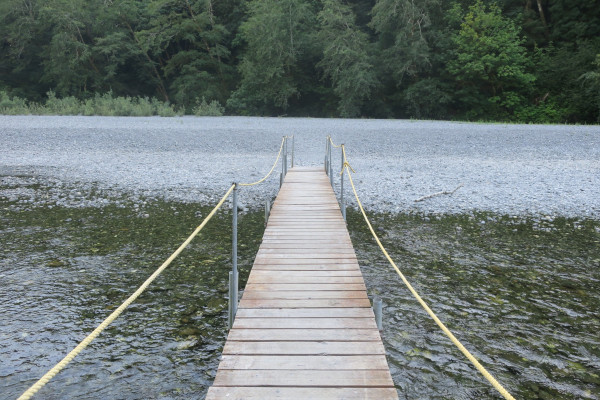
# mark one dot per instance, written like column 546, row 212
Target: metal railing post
column 230, row 312
column 267, row 211
column 233, row 275
column 330, row 167
column 327, row 155
column 343, row 201
column 285, row 154
column 293, row 147
column 378, row 310
column 283, row 159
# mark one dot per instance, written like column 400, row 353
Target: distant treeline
column 504, row 60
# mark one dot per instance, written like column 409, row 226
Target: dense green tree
column 22, row 40
column 188, row 41
column 279, row 37
column 345, row 59
column 489, row 64
column 527, row 60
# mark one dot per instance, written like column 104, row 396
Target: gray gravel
column 508, row 169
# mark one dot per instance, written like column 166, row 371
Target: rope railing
column 283, row 140
column 346, row 168
column 33, row 389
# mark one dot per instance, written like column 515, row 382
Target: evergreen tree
column 345, row 59
column 489, row 65
column 278, row 36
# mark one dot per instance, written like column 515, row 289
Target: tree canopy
column 505, row 60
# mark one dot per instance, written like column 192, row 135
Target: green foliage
column 591, row 82
column 508, row 60
column 345, row 59
column 12, row 105
column 278, row 39
column 105, row 104
column 212, row 109
column 490, row 64
column 402, row 25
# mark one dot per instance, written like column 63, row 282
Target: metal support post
column 233, row 289
column 327, row 155
column 293, row 146
column 280, row 180
column 342, row 200
column 378, row 310
column 230, row 310
column 267, row 211
column 283, row 162
column 285, row 154
column 330, row 168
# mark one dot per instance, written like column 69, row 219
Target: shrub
column 212, row 109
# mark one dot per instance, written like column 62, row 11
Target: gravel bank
column 507, row 169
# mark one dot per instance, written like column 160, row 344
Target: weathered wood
column 304, row 362
column 304, row 323
column 304, row 303
column 306, row 313
column 305, row 294
column 333, row 378
column 304, row 327
column 316, row 393
column 306, row 348
column 305, row 286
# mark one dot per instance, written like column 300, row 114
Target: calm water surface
column 523, row 295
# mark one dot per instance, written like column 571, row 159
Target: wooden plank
column 306, row 348
column 358, row 312
column 313, row 393
column 303, row 261
column 257, row 274
column 305, row 286
column 304, row 323
column 295, row 335
column 306, row 255
column 254, row 278
column 305, row 294
column 306, row 267
column 304, row 303
column 304, row 362
column 333, row 378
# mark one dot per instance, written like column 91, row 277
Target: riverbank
column 534, row 170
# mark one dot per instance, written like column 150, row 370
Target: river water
column 521, row 291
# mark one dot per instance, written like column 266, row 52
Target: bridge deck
column 304, row 327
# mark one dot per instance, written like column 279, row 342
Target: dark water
column 523, row 295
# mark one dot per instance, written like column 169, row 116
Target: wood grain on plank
column 306, row 348
column 313, row 393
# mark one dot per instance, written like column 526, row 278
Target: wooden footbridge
column 304, row 327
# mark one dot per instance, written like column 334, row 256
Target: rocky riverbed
column 543, row 170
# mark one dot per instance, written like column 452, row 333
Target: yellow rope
column 272, row 168
column 337, row 147
column 85, row 342
column 454, row 340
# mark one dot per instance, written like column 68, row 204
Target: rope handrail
column 443, row 327
column 272, row 168
column 85, row 342
column 333, row 144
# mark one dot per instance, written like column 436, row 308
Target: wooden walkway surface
column 304, row 328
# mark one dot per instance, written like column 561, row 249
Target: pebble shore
column 538, row 170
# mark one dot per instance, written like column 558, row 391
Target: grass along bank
column 104, row 105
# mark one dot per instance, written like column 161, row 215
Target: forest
column 533, row 61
